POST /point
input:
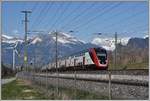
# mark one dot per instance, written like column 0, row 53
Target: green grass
column 16, row 90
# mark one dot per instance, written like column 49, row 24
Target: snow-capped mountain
column 146, row 36
column 36, row 40
column 66, row 39
column 109, row 43
column 10, row 39
column 6, row 37
column 42, row 47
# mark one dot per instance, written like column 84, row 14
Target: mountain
column 135, row 54
column 10, row 39
column 41, row 48
column 138, row 43
column 109, row 43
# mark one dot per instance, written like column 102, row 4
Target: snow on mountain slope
column 66, row 39
column 147, row 35
column 44, row 44
column 109, row 43
column 35, row 40
column 10, row 39
column 6, row 36
column 63, row 38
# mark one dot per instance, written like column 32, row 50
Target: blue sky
column 128, row 19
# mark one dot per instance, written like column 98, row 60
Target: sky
column 85, row 19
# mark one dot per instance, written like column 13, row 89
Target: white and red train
column 93, row 58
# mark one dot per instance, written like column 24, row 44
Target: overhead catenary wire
column 57, row 19
column 118, row 22
column 74, row 10
column 98, row 15
column 63, row 14
column 106, row 19
column 38, row 16
column 47, row 12
column 57, row 10
column 78, row 15
column 34, row 8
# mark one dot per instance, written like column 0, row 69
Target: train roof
column 80, row 52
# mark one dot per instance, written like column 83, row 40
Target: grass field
column 20, row 90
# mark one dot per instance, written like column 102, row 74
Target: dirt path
column 4, row 81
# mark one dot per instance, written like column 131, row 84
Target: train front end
column 100, row 58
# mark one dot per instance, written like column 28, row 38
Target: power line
column 34, row 8
column 74, row 10
column 99, row 14
column 118, row 24
column 47, row 22
column 36, row 19
column 45, row 15
column 121, row 20
column 59, row 11
column 75, row 19
column 53, row 16
column 80, row 14
column 106, row 19
column 67, row 6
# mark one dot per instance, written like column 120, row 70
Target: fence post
column 109, row 85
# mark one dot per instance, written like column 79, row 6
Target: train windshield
column 102, row 55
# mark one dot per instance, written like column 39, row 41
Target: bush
column 6, row 71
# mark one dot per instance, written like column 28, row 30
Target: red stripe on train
column 95, row 58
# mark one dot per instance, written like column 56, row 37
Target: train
column 89, row 59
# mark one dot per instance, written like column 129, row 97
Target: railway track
column 140, row 80
column 114, row 72
column 127, row 77
column 122, row 86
